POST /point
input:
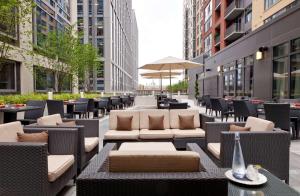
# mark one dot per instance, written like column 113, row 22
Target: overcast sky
column 160, row 24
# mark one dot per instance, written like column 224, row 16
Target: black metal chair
column 208, row 106
column 57, row 107
column 31, row 116
column 81, row 108
column 91, row 108
column 215, row 105
column 279, row 113
column 103, row 105
column 116, row 103
column 243, row 109
column 224, row 109
column 174, row 105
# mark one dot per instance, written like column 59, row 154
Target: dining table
column 10, row 112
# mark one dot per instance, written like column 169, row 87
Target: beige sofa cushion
column 215, row 149
column 258, row 124
column 8, row 131
column 58, row 165
column 147, row 146
column 188, row 133
column 154, row 161
column 156, row 134
column 121, row 135
column 144, row 119
column 51, row 120
column 126, row 113
column 90, row 143
column 174, row 117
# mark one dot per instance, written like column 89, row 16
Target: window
column 240, row 77
column 248, row 85
column 207, row 44
column 208, row 16
column 270, row 3
column 295, row 46
column 248, row 14
column 7, row 76
column 44, row 79
column 9, row 27
column 80, row 9
column 208, row 24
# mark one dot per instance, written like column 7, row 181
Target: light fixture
column 220, row 69
column 260, row 52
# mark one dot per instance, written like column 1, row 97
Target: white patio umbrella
column 171, row 63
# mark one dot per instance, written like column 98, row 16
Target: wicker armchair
column 97, row 180
column 270, row 149
column 86, row 128
column 24, row 166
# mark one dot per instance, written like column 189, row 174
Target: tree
column 13, row 15
column 180, row 86
column 197, row 87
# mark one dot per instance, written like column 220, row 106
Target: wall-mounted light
column 207, row 70
column 220, row 69
column 260, row 52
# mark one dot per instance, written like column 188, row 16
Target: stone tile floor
column 70, row 189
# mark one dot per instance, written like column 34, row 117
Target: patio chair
column 91, row 108
column 208, row 106
column 81, row 109
column 103, row 105
column 224, row 109
column 28, row 169
column 215, row 105
column 57, row 107
column 243, row 109
column 32, row 115
column 262, row 145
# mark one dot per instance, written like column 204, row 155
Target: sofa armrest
column 61, row 141
column 268, row 149
column 204, row 119
column 91, row 126
column 214, row 129
column 24, row 168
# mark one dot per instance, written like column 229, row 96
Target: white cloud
column 160, row 24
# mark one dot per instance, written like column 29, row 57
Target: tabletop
column 13, row 109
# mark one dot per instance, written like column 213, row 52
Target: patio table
column 71, row 104
column 10, row 113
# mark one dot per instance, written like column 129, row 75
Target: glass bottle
column 238, row 164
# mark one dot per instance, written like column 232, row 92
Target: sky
column 160, row 25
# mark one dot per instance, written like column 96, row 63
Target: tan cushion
column 58, row 165
column 90, row 143
column 49, row 120
column 33, row 137
column 154, row 161
column 122, row 135
column 174, row 117
column 186, row 122
column 144, row 117
column 156, row 122
column 147, row 146
column 235, row 128
column 124, row 123
column 113, row 118
column 157, row 134
column 215, row 149
column 188, row 133
column 258, row 124
column 67, row 124
column 8, row 131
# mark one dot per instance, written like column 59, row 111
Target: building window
column 44, row 79
column 270, row 3
column 248, row 14
column 8, row 77
column 207, row 44
column 240, row 77
column 80, row 9
column 295, row 69
column 248, row 85
column 208, row 16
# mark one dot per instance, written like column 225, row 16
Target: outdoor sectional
column 88, row 135
column 262, row 145
column 96, row 179
column 140, row 127
column 36, row 168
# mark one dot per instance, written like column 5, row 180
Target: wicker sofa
column 262, row 145
column 96, row 179
column 28, row 169
column 88, row 135
column 140, row 127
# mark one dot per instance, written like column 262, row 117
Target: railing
column 234, row 5
column 235, row 27
column 218, row 2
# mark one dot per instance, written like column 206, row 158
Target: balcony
column 233, row 32
column 217, row 40
column 234, row 10
column 218, row 5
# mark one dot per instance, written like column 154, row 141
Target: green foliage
column 181, row 86
column 197, row 87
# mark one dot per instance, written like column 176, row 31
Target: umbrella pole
column 170, row 84
column 161, row 84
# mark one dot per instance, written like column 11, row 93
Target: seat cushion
column 156, row 134
column 58, row 165
column 154, row 161
column 258, row 124
column 174, row 117
column 52, row 120
column 189, row 133
column 124, row 113
column 215, row 149
column 90, row 143
column 8, row 131
column 147, row 146
column 121, row 135
column 144, row 118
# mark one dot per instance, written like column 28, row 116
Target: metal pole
column 170, row 83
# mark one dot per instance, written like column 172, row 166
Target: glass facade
column 270, row 3
column 44, row 79
column 8, row 77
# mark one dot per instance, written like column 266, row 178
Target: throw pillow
column 124, row 123
column 67, row 124
column 234, row 128
column 156, row 122
column 186, row 122
column 33, row 137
